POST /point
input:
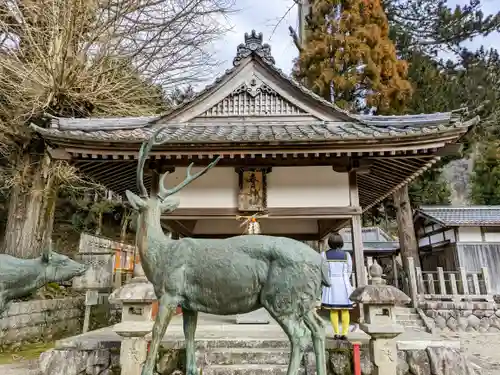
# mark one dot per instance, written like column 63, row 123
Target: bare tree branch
column 100, row 57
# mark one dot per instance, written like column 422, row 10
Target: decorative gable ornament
column 253, row 45
column 254, row 87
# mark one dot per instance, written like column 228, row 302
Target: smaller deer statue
column 21, row 277
column 226, row 276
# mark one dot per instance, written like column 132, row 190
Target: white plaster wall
column 469, row 234
column 307, row 187
column 232, row 226
column 217, row 188
column 492, row 237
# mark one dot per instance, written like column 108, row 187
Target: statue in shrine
column 335, row 297
column 240, row 274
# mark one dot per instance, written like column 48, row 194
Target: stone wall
column 40, row 320
column 461, row 316
column 101, row 361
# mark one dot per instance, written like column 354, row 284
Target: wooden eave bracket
column 59, row 153
column 450, row 149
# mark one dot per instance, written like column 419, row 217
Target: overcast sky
column 263, row 15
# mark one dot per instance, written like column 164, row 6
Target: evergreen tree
column 485, row 179
column 348, row 57
column 432, row 25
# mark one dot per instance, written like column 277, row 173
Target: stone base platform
column 226, row 348
column 212, row 328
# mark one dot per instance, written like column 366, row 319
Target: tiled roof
column 350, row 126
column 374, row 240
column 462, row 216
column 239, row 132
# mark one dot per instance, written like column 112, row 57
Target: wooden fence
column 448, row 285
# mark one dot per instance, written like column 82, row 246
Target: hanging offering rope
column 252, row 226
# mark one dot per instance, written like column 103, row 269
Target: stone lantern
column 136, row 298
column 379, row 301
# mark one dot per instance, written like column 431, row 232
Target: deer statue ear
column 46, row 252
column 136, row 202
column 169, row 204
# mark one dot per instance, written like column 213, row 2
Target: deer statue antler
column 143, row 156
column 164, row 192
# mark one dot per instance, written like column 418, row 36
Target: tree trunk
column 31, row 206
column 407, row 239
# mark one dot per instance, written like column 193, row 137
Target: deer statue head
column 160, row 200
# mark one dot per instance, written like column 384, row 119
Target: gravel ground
column 482, row 350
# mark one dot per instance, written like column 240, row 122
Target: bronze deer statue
column 226, row 276
column 21, row 277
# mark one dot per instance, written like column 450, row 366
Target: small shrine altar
column 304, row 165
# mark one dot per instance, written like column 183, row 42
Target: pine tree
column 485, row 179
column 348, row 57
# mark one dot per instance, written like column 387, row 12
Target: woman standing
column 336, row 297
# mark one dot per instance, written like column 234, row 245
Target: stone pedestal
column 136, row 298
column 260, row 316
column 379, row 320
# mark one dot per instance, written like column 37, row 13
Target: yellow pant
column 334, row 319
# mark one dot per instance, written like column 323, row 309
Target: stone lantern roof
column 137, row 290
column 377, row 292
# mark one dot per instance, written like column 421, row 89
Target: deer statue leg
column 315, row 325
column 190, row 320
column 299, row 338
column 165, row 312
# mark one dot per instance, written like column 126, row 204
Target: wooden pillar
column 356, row 231
column 406, row 230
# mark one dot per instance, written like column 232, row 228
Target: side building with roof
column 305, row 166
column 452, row 237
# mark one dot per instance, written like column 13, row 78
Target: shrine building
column 307, row 166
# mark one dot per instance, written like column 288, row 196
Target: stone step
column 235, row 343
column 409, row 323
column 407, row 316
column 244, row 356
column 404, row 308
column 247, row 370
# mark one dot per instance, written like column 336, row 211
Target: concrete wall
column 41, row 320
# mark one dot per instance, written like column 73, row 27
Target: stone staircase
column 409, row 318
column 250, row 357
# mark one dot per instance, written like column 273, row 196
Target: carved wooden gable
column 254, row 89
column 253, row 98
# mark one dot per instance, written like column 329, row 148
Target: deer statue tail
column 325, row 278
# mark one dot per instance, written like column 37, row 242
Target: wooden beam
column 184, row 227
column 295, row 236
column 326, row 226
column 278, row 212
column 356, row 232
